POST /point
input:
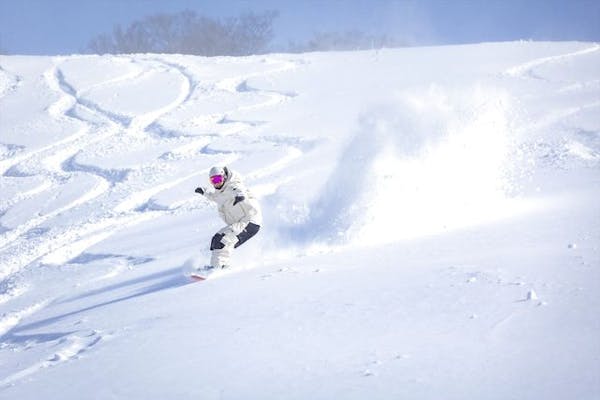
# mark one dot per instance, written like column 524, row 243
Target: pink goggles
column 215, row 180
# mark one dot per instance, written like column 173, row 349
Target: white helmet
column 217, row 170
column 218, row 175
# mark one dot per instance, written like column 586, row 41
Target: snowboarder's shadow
column 168, row 279
column 173, row 279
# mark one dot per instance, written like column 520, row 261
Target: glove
column 199, row 190
column 238, row 199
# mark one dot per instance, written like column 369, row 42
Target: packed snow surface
column 432, row 225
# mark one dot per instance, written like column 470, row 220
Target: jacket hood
column 231, row 178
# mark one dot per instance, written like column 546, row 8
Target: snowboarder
column 238, row 208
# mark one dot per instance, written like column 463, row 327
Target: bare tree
column 251, row 32
column 350, row 40
column 189, row 33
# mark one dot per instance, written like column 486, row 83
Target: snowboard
column 196, row 272
column 193, row 269
column 202, row 274
column 197, row 277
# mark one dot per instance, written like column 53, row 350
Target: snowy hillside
column 432, row 225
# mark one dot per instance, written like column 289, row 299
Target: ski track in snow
column 70, row 347
column 12, row 319
column 527, row 70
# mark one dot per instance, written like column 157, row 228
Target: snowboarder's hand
column 238, row 199
column 199, row 190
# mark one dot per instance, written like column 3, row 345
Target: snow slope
column 432, row 225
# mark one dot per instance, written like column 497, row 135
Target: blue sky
column 66, row 26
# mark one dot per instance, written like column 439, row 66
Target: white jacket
column 236, row 214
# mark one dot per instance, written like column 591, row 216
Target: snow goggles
column 215, row 180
